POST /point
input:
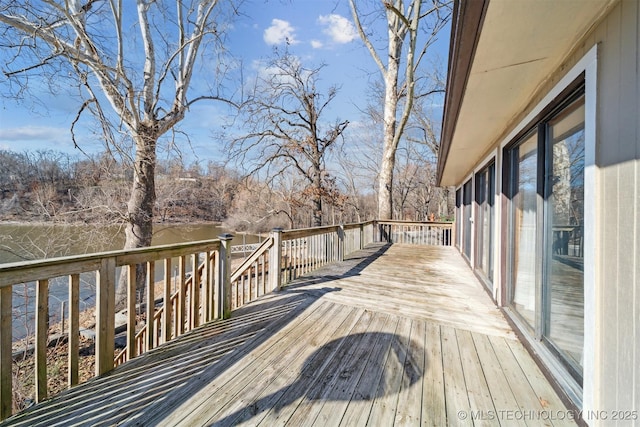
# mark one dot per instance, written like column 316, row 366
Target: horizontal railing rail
column 202, row 289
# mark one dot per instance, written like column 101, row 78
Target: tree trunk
column 316, row 199
column 390, row 144
column 139, row 227
column 385, row 184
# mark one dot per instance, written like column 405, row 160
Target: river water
column 20, row 242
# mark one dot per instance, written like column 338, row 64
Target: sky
column 317, row 31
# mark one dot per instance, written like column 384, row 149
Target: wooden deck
column 395, row 335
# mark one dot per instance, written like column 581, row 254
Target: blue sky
column 317, row 31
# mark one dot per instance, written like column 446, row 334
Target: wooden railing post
column 375, row 231
column 452, row 241
column 341, row 243
column 275, row 260
column 6, row 360
column 105, row 315
column 361, row 246
column 224, row 275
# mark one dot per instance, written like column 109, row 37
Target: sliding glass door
column 545, row 271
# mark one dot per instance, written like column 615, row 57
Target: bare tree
column 410, row 31
column 286, row 128
column 258, row 208
column 423, row 133
column 133, row 82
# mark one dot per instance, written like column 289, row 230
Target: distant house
column 541, row 138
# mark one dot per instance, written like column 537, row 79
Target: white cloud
column 33, row 133
column 316, row 44
column 280, row 32
column 339, row 28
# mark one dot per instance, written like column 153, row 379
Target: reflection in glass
column 523, row 226
column 466, row 190
column 458, row 215
column 564, row 284
column 485, row 188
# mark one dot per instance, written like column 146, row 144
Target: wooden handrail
column 308, row 232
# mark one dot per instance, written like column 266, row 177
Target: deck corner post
column 275, row 259
column 224, row 274
column 105, row 315
column 341, row 243
column 375, row 231
column 453, row 236
column 361, row 236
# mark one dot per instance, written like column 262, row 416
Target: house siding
column 617, row 157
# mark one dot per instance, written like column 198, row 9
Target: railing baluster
column 263, row 273
column 42, row 336
column 131, row 311
column 151, row 304
column 6, row 359
column 204, row 303
column 213, row 261
column 195, row 293
column 182, row 293
column 249, row 283
column 74, row 329
column 217, row 287
column 166, row 304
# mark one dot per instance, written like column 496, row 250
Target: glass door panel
column 564, row 280
column 523, row 221
column 466, row 220
column 485, row 189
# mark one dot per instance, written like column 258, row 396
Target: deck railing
column 416, row 233
column 202, row 289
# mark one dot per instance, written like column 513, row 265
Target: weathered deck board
column 455, row 390
column 398, row 335
column 433, row 396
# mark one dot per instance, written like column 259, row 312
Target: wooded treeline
column 52, row 186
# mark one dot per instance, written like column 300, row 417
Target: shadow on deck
column 393, row 335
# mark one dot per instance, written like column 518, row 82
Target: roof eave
column 467, row 20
